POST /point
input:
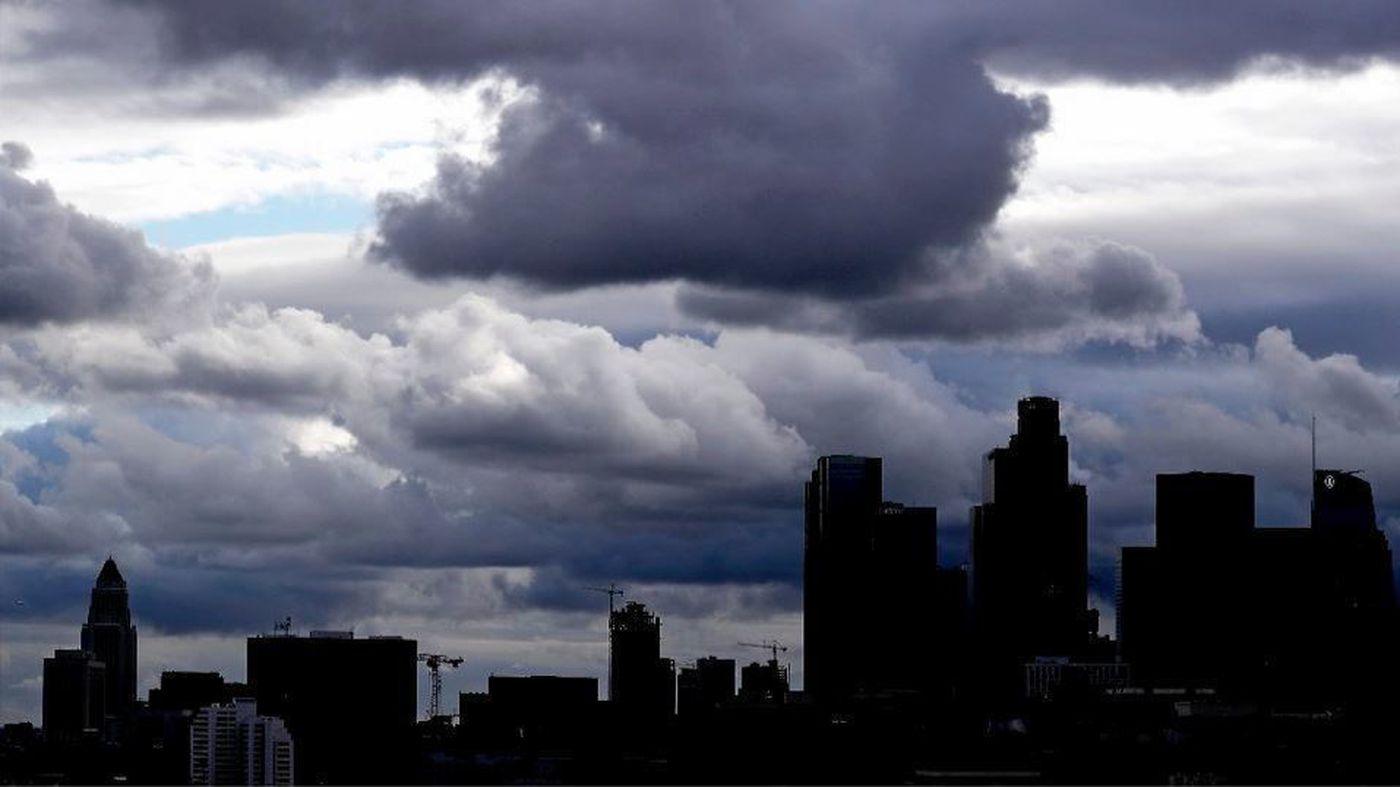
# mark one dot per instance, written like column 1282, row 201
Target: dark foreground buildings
column 350, row 704
column 1300, row 615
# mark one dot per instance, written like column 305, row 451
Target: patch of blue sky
column 280, row 215
column 19, row 416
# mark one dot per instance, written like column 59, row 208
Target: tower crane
column 435, row 662
column 771, row 645
column 613, row 592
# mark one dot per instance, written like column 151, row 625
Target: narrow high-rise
column 870, row 571
column 110, row 637
column 641, row 683
column 1030, row 545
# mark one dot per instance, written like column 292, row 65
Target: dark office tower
column 1342, row 502
column 75, row 704
column 706, row 686
column 1359, row 561
column 1204, row 511
column 842, row 501
column 349, row 704
column 1030, row 545
column 902, row 606
column 870, row 585
column 1183, row 605
column 110, row 637
column 1359, row 586
column 642, row 683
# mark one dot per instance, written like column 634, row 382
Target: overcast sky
column 420, row 318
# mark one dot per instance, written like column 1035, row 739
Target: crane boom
column 771, row 645
column 613, row 592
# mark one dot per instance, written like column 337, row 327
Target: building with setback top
column 110, row 637
column 1030, row 546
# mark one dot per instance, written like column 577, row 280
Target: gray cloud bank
column 59, row 264
column 845, row 153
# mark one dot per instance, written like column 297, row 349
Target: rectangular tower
column 350, row 704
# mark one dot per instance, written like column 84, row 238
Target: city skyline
column 1242, row 652
column 423, row 323
column 1197, row 512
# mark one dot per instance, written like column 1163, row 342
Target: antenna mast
column 1312, row 480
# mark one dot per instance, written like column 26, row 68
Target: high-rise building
column 1181, row 603
column 232, row 744
column 869, row 583
column 110, row 637
column 641, row 682
column 1030, row 545
column 763, row 683
column 350, row 704
column 1282, row 614
column 704, row 687
column 75, row 699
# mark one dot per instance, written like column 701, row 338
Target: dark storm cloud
column 821, row 148
column 1093, row 291
column 58, row 264
column 1185, row 42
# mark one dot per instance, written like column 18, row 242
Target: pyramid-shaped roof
column 109, row 576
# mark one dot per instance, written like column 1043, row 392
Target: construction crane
column 771, row 645
column 613, row 592
column 435, row 662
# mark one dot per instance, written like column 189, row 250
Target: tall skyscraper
column 110, row 637
column 1030, row 545
column 869, row 584
column 232, row 744
column 641, row 683
column 350, row 704
column 842, row 500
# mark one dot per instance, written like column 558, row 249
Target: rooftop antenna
column 283, row 627
column 1312, row 480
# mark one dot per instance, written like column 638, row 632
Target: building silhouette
column 1030, row 546
column 75, row 696
column 764, row 683
column 1181, row 602
column 1279, row 615
column 110, row 637
column 232, row 744
column 641, row 682
column 350, row 704
column 704, row 687
column 870, row 584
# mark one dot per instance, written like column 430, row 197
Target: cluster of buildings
column 1235, row 645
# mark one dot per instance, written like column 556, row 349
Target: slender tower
column 109, row 635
